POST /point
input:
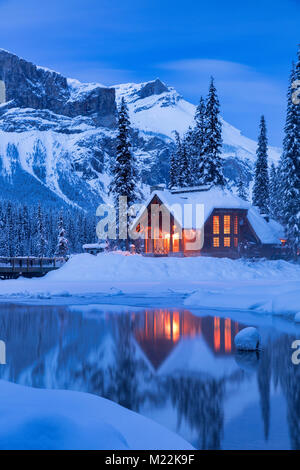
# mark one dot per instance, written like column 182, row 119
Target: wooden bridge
column 12, row 268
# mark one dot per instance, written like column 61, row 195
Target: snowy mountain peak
column 57, row 135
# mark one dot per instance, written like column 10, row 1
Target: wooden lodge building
column 230, row 227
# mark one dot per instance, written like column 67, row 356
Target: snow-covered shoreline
column 261, row 286
column 37, row 419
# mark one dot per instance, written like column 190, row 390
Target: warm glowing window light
column 236, row 242
column 176, row 242
column 227, row 224
column 216, row 242
column 216, row 224
column 227, row 242
column 236, row 225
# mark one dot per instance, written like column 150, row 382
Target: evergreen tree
column 188, row 157
column 62, row 242
column 242, row 189
column 125, row 172
column 211, row 167
column 199, row 141
column 173, row 171
column 260, row 196
column 41, row 239
column 290, row 167
column 183, row 166
column 274, row 192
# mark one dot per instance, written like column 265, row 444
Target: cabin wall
column 226, row 234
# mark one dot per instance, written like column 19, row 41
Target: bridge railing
column 31, row 262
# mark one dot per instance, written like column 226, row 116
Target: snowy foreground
column 52, row 419
column 262, row 286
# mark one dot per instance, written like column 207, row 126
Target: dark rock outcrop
column 152, row 88
column 29, row 86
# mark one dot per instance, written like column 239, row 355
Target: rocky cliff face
column 57, row 135
column 27, row 86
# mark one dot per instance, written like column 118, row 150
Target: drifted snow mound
column 297, row 317
column 34, row 419
column 247, row 339
column 117, row 267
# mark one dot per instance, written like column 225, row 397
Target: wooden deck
column 12, row 268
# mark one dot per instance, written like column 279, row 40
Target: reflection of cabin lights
column 217, row 334
column 167, row 235
column 175, row 327
column 167, row 326
column 228, row 335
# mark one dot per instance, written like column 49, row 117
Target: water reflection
column 181, row 370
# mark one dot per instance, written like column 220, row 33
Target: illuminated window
column 176, row 242
column 236, row 242
column 227, row 224
column 236, row 225
column 216, row 224
column 216, row 242
column 227, row 242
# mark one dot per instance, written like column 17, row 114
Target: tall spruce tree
column 260, row 197
column 62, row 242
column 290, row 166
column 125, row 172
column 242, row 190
column 211, row 167
column 189, row 153
column 183, row 166
column 173, row 177
column 274, row 193
column 199, row 141
column 41, row 236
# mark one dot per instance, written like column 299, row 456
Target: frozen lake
column 177, row 368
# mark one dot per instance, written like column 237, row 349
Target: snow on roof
column 90, row 246
column 183, row 206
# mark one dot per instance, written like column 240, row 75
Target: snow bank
column 52, row 419
column 201, row 282
column 112, row 267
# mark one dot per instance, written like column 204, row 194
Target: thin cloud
column 234, row 80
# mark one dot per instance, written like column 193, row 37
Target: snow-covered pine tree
column 10, row 230
column 290, row 166
column 242, row 190
column 260, row 197
column 274, row 193
column 190, row 153
column 199, row 141
column 125, row 172
column 62, row 242
column 183, row 166
column 173, row 176
column 41, row 238
column 211, row 168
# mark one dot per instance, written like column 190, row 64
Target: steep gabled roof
column 214, row 198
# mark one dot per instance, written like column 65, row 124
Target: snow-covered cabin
column 204, row 220
column 94, row 248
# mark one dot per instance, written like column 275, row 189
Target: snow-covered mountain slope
column 57, row 135
column 156, row 108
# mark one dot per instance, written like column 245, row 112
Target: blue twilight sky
column 246, row 45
